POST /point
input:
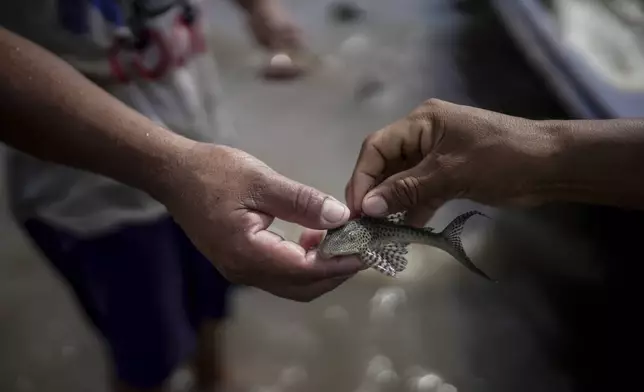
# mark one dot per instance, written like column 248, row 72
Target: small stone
column 447, row 388
column 336, row 313
column 378, row 364
column 387, row 377
column 429, row 383
column 281, row 60
column 282, row 66
column 293, row 377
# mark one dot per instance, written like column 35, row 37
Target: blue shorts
column 145, row 287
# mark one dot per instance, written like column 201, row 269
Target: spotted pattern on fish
column 391, row 256
column 382, row 244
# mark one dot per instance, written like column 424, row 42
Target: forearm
column 51, row 111
column 599, row 162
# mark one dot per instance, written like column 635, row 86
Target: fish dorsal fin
column 397, row 218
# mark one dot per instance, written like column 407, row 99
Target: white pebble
column 447, row 388
column 386, row 377
column 415, row 371
column 355, row 44
column 182, row 380
column 281, row 60
column 293, row 376
column 426, row 383
column 386, row 302
column 336, row 313
column 378, row 364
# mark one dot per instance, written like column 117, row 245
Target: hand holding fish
column 443, row 151
column 226, row 199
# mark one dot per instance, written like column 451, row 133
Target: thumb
column 410, row 190
column 291, row 201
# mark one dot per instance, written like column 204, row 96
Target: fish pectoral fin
column 395, row 254
column 376, row 261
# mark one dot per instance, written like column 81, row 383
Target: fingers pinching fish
column 382, row 244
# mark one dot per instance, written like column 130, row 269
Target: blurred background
column 561, row 317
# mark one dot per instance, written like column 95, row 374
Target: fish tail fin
column 452, row 235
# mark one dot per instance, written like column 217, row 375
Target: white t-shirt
column 153, row 56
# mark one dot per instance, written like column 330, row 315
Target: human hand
column 226, row 199
column 442, row 151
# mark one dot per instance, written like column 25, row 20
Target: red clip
column 116, row 66
column 155, row 39
column 195, row 29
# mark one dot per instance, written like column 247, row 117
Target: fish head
column 349, row 239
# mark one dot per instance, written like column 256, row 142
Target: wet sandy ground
column 437, row 321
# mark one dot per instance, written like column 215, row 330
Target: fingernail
column 333, row 211
column 375, row 206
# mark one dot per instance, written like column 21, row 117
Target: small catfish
column 382, row 244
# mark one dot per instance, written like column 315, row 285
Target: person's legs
column 207, row 296
column 132, row 285
column 208, row 365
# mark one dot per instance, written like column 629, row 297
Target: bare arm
column 442, row 151
column 599, row 162
column 51, row 111
column 223, row 198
